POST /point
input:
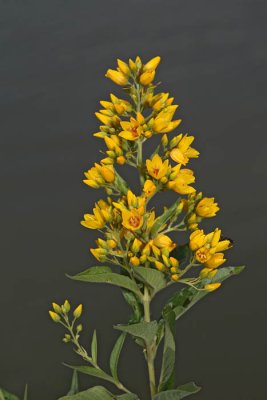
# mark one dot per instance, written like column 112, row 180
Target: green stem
column 150, row 353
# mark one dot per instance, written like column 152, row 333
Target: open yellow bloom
column 215, row 260
column 207, row 207
column 116, row 105
column 98, row 175
column 156, row 167
column 132, row 130
column 183, row 151
column 132, row 219
column 102, row 213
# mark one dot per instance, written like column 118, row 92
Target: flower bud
column 55, row 317
column 210, row 287
column 78, row 311
column 56, row 308
column 135, row 261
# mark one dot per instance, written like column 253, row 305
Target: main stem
column 150, row 354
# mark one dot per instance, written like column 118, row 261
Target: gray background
column 53, row 58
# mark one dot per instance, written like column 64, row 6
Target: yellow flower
column 102, row 213
column 117, row 77
column 207, row 208
column 98, row 175
column 152, row 64
column 55, row 317
column 149, row 188
column 123, row 67
column 131, row 219
column 163, row 241
column 215, row 260
column 132, row 130
column 181, row 180
column 135, row 261
column 99, row 254
column 183, row 151
column 78, row 311
column 147, row 77
column 156, row 167
column 210, row 287
column 175, row 277
column 202, row 255
column 197, row 240
column 163, row 122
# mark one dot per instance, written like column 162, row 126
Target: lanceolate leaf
column 180, row 393
column 168, row 358
column 96, row 275
column 146, row 331
column 74, row 384
column 115, row 355
column 95, row 393
column 4, row 395
column 94, row 347
column 164, row 217
column 98, row 373
column 185, row 298
column 152, row 278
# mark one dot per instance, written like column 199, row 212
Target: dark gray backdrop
column 53, row 58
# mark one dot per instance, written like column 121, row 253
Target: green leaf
column 94, row 347
column 115, row 355
column 98, row 373
column 95, row 393
column 74, row 388
column 168, row 358
column 4, row 395
column 146, row 331
column 164, row 217
column 179, row 393
column 95, row 275
column 184, row 299
column 151, row 277
column 120, row 184
column 127, row 396
column 136, row 305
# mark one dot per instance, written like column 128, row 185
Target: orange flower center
column 155, row 171
column 134, row 132
column 201, row 256
column 134, row 221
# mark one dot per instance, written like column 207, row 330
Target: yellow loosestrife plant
column 136, row 240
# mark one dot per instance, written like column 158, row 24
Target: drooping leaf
column 95, row 393
column 136, row 305
column 185, row 298
column 94, row 347
column 95, row 275
column 164, row 217
column 4, row 395
column 151, row 277
column 115, row 355
column 168, row 357
column 146, row 331
column 180, row 393
column 98, row 373
column 74, row 388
